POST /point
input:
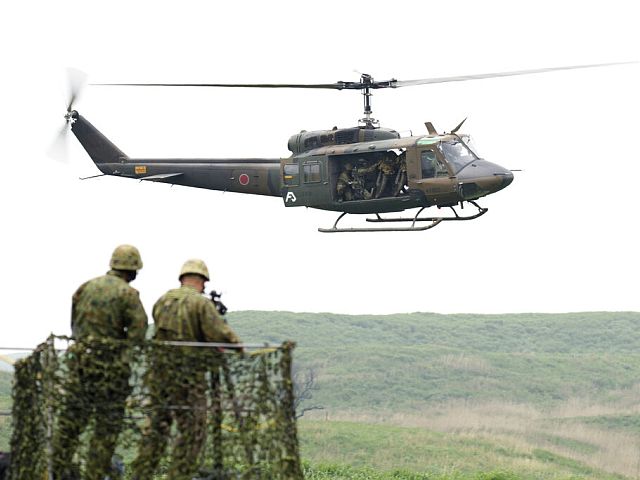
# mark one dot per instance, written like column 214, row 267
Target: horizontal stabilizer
column 160, row 176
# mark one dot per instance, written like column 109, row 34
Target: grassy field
column 565, row 386
column 355, row 450
column 5, row 405
column 457, row 397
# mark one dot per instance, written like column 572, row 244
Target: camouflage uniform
column 343, row 186
column 386, row 167
column 97, row 385
column 400, row 182
column 176, row 380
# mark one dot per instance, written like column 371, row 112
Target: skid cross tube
column 413, row 228
column 457, row 217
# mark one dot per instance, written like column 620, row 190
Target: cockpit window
column 291, row 174
column 471, row 144
column 457, row 154
column 431, row 165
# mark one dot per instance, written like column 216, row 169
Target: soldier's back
column 99, row 308
column 178, row 315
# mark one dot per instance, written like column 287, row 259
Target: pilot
column 344, row 190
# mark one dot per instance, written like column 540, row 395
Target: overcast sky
column 563, row 237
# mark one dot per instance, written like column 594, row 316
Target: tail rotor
column 59, row 147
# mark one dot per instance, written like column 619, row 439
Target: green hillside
column 595, row 332
column 404, row 362
column 460, row 397
column 558, row 389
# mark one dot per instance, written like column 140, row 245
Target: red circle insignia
column 243, row 179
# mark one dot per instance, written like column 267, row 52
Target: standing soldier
column 176, row 378
column 105, row 311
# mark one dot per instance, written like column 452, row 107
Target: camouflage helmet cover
column 194, row 266
column 126, row 257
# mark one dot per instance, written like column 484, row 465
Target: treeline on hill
column 404, row 362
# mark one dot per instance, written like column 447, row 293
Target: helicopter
column 366, row 169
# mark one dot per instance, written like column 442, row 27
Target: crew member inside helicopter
column 374, row 176
column 344, row 183
column 400, row 183
column 387, row 167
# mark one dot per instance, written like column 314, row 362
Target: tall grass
column 606, row 444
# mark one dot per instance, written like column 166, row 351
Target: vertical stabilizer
column 99, row 147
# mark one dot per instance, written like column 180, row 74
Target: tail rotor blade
column 59, row 148
column 77, row 80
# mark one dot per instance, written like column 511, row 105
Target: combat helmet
column 194, row 266
column 126, row 257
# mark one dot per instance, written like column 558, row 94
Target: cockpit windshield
column 470, row 143
column 458, row 154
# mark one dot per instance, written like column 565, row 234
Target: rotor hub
column 71, row 116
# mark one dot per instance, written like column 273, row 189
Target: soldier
column 400, row 183
column 176, row 379
column 343, row 185
column 386, row 168
column 104, row 311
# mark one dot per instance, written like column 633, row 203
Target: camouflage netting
column 170, row 409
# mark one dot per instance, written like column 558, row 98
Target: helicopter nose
column 507, row 178
column 483, row 178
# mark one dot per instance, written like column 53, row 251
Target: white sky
column 563, row 237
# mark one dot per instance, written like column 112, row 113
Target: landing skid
column 413, row 228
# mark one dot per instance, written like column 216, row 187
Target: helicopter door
column 437, row 182
column 314, row 181
column 432, row 166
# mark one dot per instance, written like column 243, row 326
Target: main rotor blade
column 462, row 78
column 366, row 81
column 333, row 86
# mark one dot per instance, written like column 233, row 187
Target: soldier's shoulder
column 197, row 300
column 114, row 284
column 173, row 294
column 99, row 279
column 94, row 283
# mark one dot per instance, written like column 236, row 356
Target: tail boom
column 260, row 176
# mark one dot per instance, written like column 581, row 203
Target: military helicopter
column 365, row 169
